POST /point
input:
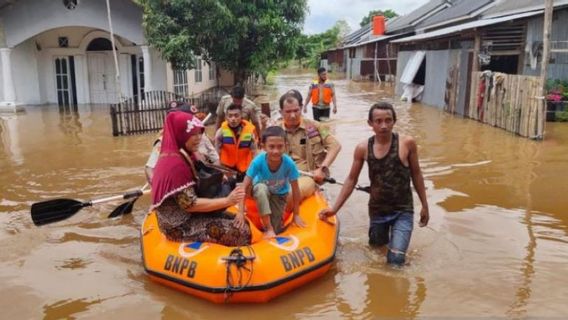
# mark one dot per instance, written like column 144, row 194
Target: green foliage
column 389, row 14
column 241, row 36
column 311, row 47
column 561, row 116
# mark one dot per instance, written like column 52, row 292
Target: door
column 102, row 81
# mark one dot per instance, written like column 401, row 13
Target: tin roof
column 460, row 9
column 465, row 26
column 414, row 17
column 507, row 7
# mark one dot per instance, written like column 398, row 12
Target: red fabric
column 172, row 173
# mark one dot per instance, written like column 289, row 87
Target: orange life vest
column 327, row 93
column 236, row 153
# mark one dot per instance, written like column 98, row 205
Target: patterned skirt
column 203, row 227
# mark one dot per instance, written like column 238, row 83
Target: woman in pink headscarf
column 182, row 215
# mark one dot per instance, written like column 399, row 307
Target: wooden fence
column 510, row 102
column 135, row 116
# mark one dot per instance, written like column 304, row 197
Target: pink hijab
column 172, row 173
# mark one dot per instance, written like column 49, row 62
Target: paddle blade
column 124, row 208
column 55, row 210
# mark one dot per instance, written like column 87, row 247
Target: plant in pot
column 556, row 99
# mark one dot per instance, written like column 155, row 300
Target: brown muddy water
column 496, row 246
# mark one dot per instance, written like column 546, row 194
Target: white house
column 59, row 52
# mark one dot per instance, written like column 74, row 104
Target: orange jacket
column 327, row 93
column 237, row 153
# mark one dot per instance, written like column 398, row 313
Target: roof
column 370, row 40
column 508, row 7
column 415, row 16
column 459, row 10
column 465, row 26
column 357, row 35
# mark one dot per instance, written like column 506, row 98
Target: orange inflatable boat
column 255, row 273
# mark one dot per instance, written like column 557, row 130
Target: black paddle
column 126, row 207
column 333, row 181
column 55, row 210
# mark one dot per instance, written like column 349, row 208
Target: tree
column 244, row 37
column 389, row 14
column 310, row 47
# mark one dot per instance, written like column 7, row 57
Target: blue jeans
column 395, row 231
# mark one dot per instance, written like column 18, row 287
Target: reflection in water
column 394, row 296
column 65, row 309
column 70, row 123
column 380, row 293
column 523, row 292
column 10, row 138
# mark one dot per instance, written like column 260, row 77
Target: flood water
column 496, row 246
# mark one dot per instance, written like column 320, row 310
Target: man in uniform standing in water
column 321, row 94
column 393, row 162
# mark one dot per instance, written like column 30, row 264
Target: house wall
column 194, row 87
column 159, row 75
column 25, row 72
column 558, row 66
column 226, row 78
column 336, row 60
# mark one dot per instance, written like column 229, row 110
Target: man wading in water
column 393, row 162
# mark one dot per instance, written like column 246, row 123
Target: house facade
column 60, row 52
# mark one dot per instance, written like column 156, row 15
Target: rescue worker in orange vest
column 321, row 94
column 235, row 141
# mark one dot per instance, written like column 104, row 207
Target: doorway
column 102, row 81
column 65, row 81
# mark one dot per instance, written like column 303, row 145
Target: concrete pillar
column 147, row 68
column 9, row 98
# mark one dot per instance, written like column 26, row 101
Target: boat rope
column 235, row 281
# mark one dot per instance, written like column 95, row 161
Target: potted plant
column 556, row 98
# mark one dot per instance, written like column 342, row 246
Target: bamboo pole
column 549, row 7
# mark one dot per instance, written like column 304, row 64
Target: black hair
column 321, row 70
column 273, row 131
column 238, row 92
column 233, row 106
column 382, row 106
column 288, row 96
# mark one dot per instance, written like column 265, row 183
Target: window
column 180, row 82
column 63, row 81
column 141, row 77
column 212, row 71
column 70, row 4
column 63, row 42
column 198, row 73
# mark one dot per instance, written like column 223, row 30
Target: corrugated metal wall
column 463, row 99
column 403, row 57
column 559, row 68
column 436, row 73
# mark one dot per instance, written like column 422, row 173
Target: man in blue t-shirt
column 272, row 174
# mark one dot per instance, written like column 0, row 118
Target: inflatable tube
column 255, row 273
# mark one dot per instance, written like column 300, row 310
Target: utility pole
column 548, row 10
